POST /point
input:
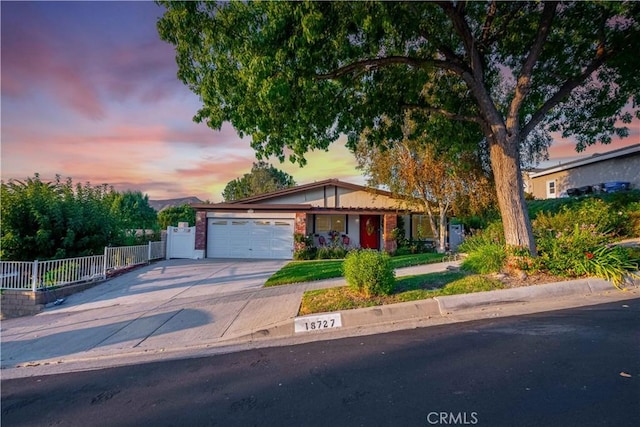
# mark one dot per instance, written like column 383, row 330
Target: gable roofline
column 595, row 158
column 305, row 187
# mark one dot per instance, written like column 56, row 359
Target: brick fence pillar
column 389, row 243
column 201, row 231
column 300, row 227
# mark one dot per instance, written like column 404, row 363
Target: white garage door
column 250, row 238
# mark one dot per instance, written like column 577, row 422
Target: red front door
column 370, row 231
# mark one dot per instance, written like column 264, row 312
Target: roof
column 621, row 152
column 306, row 187
column 260, row 203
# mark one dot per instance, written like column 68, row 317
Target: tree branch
column 368, row 64
column 488, row 22
column 375, row 63
column 565, row 90
column 524, row 79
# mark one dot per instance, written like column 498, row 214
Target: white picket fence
column 35, row 275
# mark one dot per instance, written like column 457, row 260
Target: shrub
column 369, row 272
column 633, row 213
column 493, row 234
column 610, row 263
column 593, row 213
column 305, row 253
column 485, row 250
column 562, row 251
column 485, row 258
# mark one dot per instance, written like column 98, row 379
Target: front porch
column 351, row 230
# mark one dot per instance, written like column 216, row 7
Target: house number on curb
column 316, row 323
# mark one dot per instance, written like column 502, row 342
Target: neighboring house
column 263, row 226
column 602, row 171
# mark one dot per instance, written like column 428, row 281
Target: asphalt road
column 576, row 367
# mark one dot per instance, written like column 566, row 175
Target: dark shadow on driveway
column 133, row 331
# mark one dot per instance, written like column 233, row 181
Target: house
column 602, row 171
column 263, row 226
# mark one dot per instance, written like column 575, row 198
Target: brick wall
column 17, row 303
column 389, row 243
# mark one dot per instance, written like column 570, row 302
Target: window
column 420, row 227
column 325, row 223
column 551, row 189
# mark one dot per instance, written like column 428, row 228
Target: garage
column 258, row 238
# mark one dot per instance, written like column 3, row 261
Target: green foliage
column 306, row 253
column 610, row 263
column 318, row 70
column 592, row 212
column 369, row 272
column 633, row 226
column 574, row 241
column 492, row 235
column 263, row 178
column 470, row 284
column 51, row 220
column 52, row 277
column 45, row 220
column 409, row 288
column 486, row 258
column 173, row 215
column 486, row 250
column 134, row 211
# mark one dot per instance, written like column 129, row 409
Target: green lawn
column 409, row 288
column 306, row 271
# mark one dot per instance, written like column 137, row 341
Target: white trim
column 253, row 215
column 551, row 195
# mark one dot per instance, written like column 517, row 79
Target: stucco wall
column 331, row 196
column 625, row 169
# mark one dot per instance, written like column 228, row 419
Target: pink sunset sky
column 89, row 91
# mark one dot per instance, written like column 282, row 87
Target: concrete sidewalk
column 179, row 308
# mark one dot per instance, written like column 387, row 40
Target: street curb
column 451, row 303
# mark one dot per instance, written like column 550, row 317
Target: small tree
column 171, row 216
column 263, row 178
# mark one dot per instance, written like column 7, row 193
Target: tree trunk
column 432, row 223
column 442, row 247
column 505, row 163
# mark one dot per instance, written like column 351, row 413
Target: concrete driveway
column 163, row 305
column 177, row 278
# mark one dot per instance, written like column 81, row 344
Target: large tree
column 296, row 75
column 263, row 178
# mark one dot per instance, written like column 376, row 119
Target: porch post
column 390, row 222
